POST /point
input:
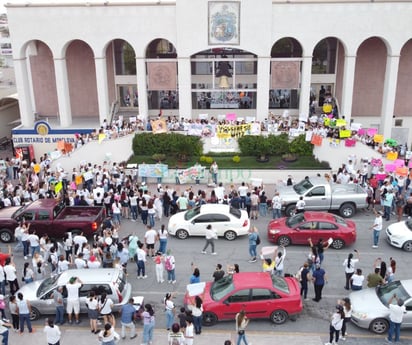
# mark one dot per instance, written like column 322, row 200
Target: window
column 28, row 215
column 318, row 191
column 308, row 226
column 220, row 218
column 206, row 218
column 327, row 226
column 43, row 215
column 263, row 294
column 99, row 289
column 239, row 296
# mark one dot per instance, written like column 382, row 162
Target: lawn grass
column 246, row 162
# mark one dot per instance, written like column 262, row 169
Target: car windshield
column 235, row 212
column 340, row 220
column 385, row 292
column 295, row 220
column 302, row 186
column 408, row 224
column 47, row 284
column 221, row 288
column 191, row 213
column 280, row 284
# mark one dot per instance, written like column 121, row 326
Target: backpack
column 257, row 240
column 168, row 264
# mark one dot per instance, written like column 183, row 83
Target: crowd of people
column 124, row 197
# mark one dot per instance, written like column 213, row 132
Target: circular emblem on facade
column 42, row 128
column 224, row 25
column 161, row 75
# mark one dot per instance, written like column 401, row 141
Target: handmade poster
column 153, row 170
column 196, row 172
column 390, row 168
column 371, row 131
column 346, row 133
column 340, row 122
column 231, row 117
column 378, row 138
column 159, row 126
column 269, row 250
column 399, row 163
column 195, row 289
column 392, row 156
column 316, row 140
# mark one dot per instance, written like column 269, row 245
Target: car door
column 263, row 302
column 43, row 223
column 328, row 230
column 315, row 199
column 199, row 223
column 234, row 303
column 221, row 223
column 407, row 317
column 304, row 231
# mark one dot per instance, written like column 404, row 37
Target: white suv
column 110, row 280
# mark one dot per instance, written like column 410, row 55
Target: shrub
column 158, row 157
column 279, row 144
column 202, row 158
column 167, row 143
column 209, row 160
column 236, row 159
column 301, row 147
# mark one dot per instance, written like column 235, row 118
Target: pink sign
column 390, row 167
column 399, row 163
column 380, row 177
column 410, row 164
column 362, row 131
column 372, row 131
column 231, row 117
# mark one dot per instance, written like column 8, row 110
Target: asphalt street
column 311, row 325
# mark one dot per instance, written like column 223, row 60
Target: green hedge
column 251, row 145
column 167, row 143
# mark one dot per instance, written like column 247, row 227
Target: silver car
column 370, row 306
column 110, row 280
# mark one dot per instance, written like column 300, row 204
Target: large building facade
column 190, row 58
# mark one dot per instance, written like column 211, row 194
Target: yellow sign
column 233, row 131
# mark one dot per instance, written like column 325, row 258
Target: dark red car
column 260, row 294
column 315, row 225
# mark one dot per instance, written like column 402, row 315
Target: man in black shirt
column 219, row 273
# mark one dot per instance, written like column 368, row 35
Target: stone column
column 304, row 97
column 23, row 90
column 389, row 93
column 263, row 87
column 142, row 87
column 63, row 94
column 102, row 88
column 347, row 88
column 185, row 88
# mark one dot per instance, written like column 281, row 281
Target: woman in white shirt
column 108, row 336
column 357, row 280
column 347, row 309
column 92, row 311
column 52, row 332
column 349, row 265
column 105, row 308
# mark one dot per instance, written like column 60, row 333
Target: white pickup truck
column 320, row 195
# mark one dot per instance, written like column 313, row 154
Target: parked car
column 399, row 235
column 52, row 217
column 315, row 225
column 229, row 222
column 110, row 280
column 260, row 294
column 320, row 195
column 370, row 306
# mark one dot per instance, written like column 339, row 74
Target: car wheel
column 6, row 236
column 209, row 319
column 230, row 235
column 284, row 241
column 337, row 243
column 347, row 210
column 182, row 234
column 407, row 246
column 35, row 314
column 290, row 210
column 379, row 326
column 278, row 317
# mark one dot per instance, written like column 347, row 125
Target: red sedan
column 315, row 225
column 261, row 295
